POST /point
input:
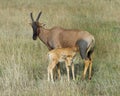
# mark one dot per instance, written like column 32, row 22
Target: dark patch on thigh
column 82, row 44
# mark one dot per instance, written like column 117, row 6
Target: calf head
column 68, row 59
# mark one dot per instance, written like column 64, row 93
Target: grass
column 23, row 62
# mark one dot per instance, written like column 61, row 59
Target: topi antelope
column 58, row 37
column 61, row 55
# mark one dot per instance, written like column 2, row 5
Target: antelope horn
column 38, row 16
column 31, row 17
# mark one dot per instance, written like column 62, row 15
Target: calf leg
column 50, row 70
column 51, row 73
column 68, row 74
column 58, row 70
column 73, row 73
column 48, row 73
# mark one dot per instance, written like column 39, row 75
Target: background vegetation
column 23, row 63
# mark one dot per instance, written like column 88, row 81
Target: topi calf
column 61, row 55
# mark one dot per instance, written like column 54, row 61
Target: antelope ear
column 41, row 24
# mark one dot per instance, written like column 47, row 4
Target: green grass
column 23, row 62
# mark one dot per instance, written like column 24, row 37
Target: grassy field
column 23, row 63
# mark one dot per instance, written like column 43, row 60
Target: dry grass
column 23, row 64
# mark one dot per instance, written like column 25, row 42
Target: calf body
column 61, row 55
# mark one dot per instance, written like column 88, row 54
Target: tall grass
column 23, row 62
